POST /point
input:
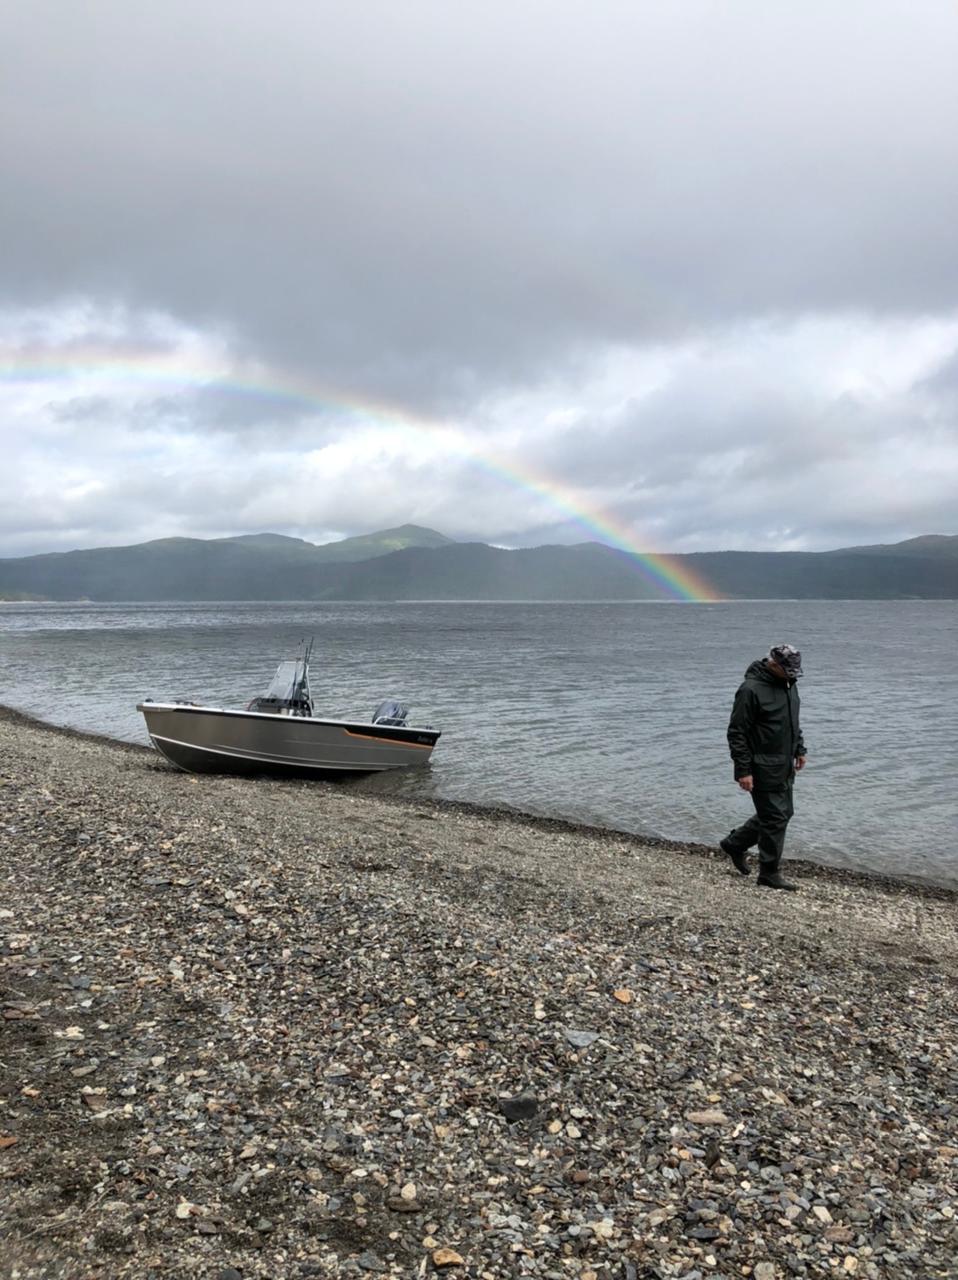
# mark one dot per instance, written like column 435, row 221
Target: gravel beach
column 282, row 1029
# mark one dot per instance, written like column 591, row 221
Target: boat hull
column 215, row 740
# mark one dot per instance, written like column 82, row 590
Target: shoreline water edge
column 537, row 821
column 261, row 1029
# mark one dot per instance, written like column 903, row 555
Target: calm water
column 612, row 714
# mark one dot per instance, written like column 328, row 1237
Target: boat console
column 288, row 692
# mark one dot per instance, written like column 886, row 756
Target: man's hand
column 800, row 763
column 746, row 782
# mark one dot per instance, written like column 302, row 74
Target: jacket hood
column 757, row 670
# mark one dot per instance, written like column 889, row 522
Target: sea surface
column 612, row 714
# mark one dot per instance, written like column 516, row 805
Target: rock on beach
column 281, row 1029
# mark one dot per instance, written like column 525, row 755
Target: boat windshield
column 285, row 685
column 288, row 693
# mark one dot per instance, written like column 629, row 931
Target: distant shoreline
column 418, row 564
column 579, row 600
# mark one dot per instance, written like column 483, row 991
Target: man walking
column 767, row 748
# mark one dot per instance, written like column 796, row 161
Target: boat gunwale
column 365, row 727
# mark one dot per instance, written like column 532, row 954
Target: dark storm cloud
column 428, row 200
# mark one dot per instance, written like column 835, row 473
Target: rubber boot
column 773, row 880
column 739, row 860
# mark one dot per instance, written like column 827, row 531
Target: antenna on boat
column 305, row 694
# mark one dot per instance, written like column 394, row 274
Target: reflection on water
column 610, row 714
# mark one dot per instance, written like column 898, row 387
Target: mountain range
column 414, row 563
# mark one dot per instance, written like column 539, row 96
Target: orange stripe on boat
column 393, row 742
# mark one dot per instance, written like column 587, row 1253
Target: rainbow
column 666, row 573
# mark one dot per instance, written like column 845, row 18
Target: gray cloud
column 411, row 196
column 472, row 211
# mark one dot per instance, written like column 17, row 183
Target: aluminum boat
column 279, row 733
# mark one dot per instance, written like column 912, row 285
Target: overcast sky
column 689, row 268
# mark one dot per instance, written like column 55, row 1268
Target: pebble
column 351, row 1076
column 706, row 1117
column 521, row 1107
column 443, row 1258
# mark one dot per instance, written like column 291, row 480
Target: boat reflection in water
column 278, row 733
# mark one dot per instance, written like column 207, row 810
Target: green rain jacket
column 764, row 734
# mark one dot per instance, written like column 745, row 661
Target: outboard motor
column 391, row 712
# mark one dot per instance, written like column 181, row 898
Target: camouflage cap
column 788, row 658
